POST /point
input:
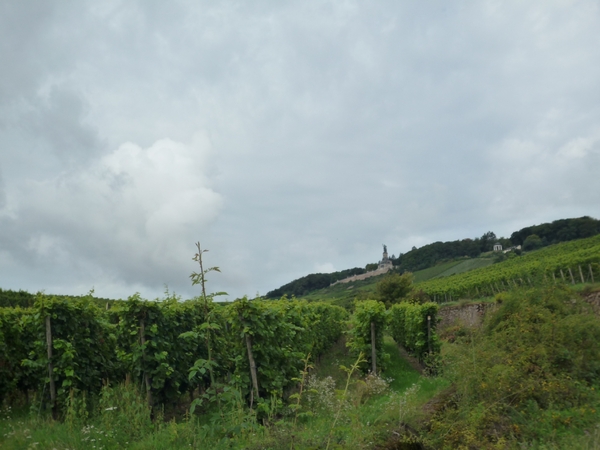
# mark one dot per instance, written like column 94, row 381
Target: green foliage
column 559, row 231
column 24, row 299
column 371, row 266
column 152, row 343
column 394, row 287
column 539, row 267
column 16, row 298
column 487, row 241
column 359, row 335
column 16, row 342
column 409, row 328
column 437, row 252
column 532, row 242
column 531, row 375
column 309, row 283
column 282, row 332
column 124, row 415
column 83, row 345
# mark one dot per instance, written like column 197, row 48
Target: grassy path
column 367, row 418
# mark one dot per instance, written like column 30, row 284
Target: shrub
column 530, row 374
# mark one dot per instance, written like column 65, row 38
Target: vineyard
column 252, row 358
column 571, row 262
column 171, row 348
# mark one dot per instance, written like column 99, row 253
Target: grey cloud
column 2, row 191
column 334, row 127
column 59, row 121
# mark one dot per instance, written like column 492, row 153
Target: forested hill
column 531, row 238
column 558, row 231
column 24, row 299
column 312, row 282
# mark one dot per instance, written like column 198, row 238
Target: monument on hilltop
column 386, row 262
column 384, row 266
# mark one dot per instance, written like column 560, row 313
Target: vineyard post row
column 77, row 345
column 411, row 325
column 556, row 262
column 445, row 291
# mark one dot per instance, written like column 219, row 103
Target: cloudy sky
column 287, row 137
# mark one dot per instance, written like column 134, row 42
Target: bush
column 359, row 341
column 408, row 326
column 394, row 287
column 529, row 375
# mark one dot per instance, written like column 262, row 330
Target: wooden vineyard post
column 572, row 277
column 252, row 369
column 373, row 350
column 51, row 367
column 562, row 275
column 553, row 277
column 146, row 376
column 581, row 274
column 591, row 272
column 429, row 333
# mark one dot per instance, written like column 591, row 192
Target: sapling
column 298, row 396
column 350, row 371
column 207, row 326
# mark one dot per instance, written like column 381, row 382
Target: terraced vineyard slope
column 574, row 261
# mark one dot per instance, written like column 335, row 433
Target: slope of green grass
column 464, row 266
column 434, row 271
column 344, row 294
column 366, row 416
column 570, row 261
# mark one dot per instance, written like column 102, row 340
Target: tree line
column 530, row 238
column 313, row 282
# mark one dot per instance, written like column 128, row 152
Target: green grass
column 365, row 420
column 432, row 272
column 465, row 266
column 343, row 294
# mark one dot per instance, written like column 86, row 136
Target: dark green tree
column 394, row 287
column 487, row 241
column 532, row 242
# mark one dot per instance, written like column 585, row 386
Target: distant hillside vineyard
column 430, row 255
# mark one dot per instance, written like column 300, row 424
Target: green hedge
column 408, row 326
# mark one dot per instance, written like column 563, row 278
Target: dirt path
column 414, row 362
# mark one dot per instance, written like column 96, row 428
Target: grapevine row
column 575, row 260
column 61, row 344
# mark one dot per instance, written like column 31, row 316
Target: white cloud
column 131, row 215
column 577, row 148
column 324, row 268
column 335, row 126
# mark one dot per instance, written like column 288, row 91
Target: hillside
column 440, row 259
column 573, row 262
column 344, row 294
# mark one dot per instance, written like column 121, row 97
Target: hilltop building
column 384, row 266
column 386, row 262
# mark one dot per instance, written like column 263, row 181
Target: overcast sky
column 287, row 137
